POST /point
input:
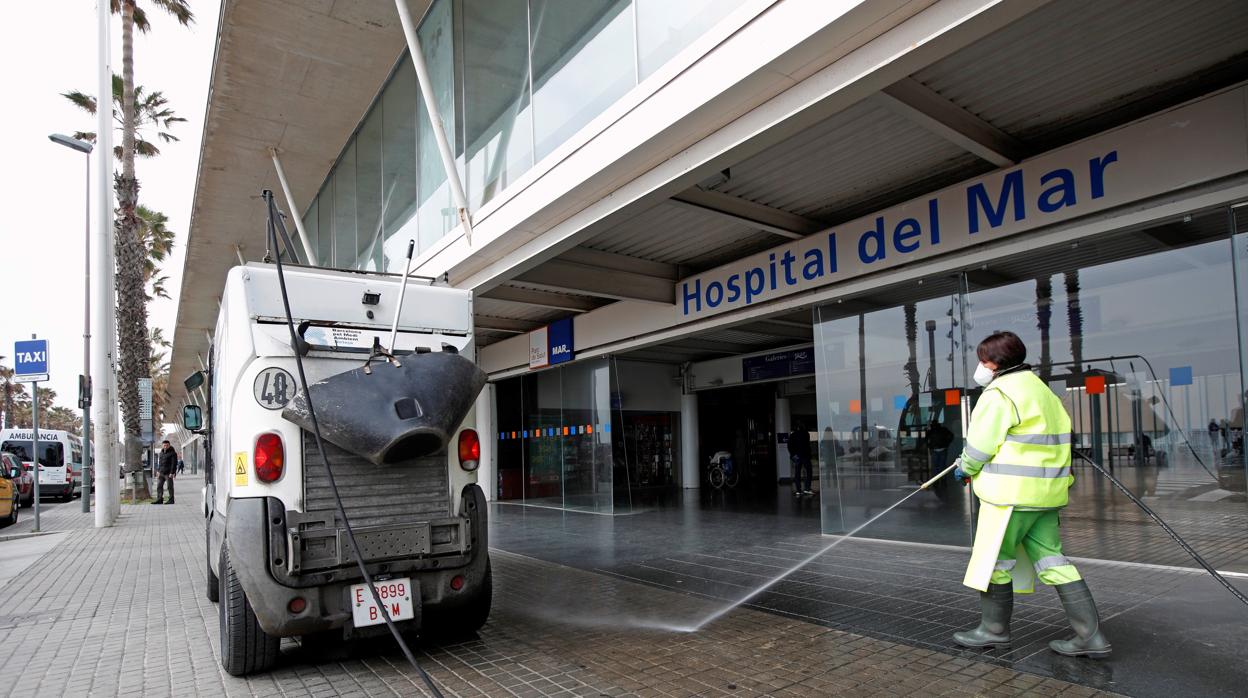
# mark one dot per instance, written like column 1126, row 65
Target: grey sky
column 48, row 48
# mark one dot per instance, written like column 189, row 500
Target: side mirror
column 15, row 473
column 192, row 418
column 193, row 381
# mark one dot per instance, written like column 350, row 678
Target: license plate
column 396, row 594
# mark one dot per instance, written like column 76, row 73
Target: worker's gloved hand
column 960, row 475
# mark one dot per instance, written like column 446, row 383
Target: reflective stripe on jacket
column 1018, row 444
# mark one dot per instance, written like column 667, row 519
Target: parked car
column 8, row 494
column 25, row 480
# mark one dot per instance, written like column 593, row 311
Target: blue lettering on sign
column 752, row 283
column 30, row 357
column 1001, row 200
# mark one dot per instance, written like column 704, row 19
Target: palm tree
column 1044, row 320
column 21, row 409
column 13, row 393
column 153, row 112
column 912, row 338
column 157, row 242
column 1074, row 320
column 132, row 335
column 158, row 369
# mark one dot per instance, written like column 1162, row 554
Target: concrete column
column 487, row 472
column 783, row 426
column 690, row 473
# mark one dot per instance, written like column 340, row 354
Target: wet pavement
column 1174, row 629
column 121, row 611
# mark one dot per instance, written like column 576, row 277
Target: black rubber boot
column 996, row 604
column 157, row 501
column 1088, row 641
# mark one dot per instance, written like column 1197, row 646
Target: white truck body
column 423, row 520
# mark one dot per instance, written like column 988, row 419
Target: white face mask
column 983, row 375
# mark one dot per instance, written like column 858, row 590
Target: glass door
column 891, row 386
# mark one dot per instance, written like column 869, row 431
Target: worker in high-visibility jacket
column 1017, row 455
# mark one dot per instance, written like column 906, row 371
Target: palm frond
column 144, row 148
column 180, row 9
column 81, row 100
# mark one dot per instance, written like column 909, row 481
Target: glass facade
column 513, row 80
column 1139, row 332
column 555, row 438
column 599, row 435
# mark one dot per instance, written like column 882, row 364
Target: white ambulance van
column 60, row 459
column 399, row 440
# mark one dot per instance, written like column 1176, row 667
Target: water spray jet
column 719, row 613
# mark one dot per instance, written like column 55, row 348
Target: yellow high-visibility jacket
column 1018, row 445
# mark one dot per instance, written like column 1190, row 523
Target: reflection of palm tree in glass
column 1074, row 319
column 1044, row 317
column 912, row 338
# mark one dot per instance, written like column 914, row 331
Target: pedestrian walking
column 1017, row 455
column 165, row 467
column 181, row 466
column 799, row 457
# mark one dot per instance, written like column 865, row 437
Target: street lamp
column 84, row 389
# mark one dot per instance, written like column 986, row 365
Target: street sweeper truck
column 338, row 410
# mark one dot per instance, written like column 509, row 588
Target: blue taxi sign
column 30, row 360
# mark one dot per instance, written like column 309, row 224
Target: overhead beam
column 504, row 324
column 988, row 278
column 750, row 213
column 779, row 329
column 708, row 346
column 587, row 280
column 621, row 262
column 541, row 299
column 927, row 108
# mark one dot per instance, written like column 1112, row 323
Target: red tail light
column 269, row 457
column 469, row 450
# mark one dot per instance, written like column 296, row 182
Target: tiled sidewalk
column 122, row 611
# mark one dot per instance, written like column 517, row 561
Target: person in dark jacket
column 166, row 464
column 799, row 456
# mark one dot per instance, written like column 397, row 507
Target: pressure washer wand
column 398, row 307
column 939, row 475
column 1166, row 527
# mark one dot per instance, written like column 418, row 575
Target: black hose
column 320, row 445
column 1174, row 418
column 1166, row 527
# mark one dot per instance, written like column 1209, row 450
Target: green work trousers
column 1038, row 532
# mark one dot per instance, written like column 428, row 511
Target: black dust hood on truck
column 395, row 412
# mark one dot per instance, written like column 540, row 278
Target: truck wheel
column 213, row 588
column 245, row 647
column 465, row 619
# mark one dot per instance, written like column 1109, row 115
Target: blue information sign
column 30, row 359
column 559, row 338
column 781, row 364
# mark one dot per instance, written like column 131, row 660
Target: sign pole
column 34, row 442
column 31, row 365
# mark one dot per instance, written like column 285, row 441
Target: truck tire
column 465, row 619
column 245, row 647
column 213, row 588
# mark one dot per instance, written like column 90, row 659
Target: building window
column 498, row 114
column 584, row 59
column 398, row 201
column 513, row 80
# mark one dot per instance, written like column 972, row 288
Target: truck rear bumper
column 254, row 552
